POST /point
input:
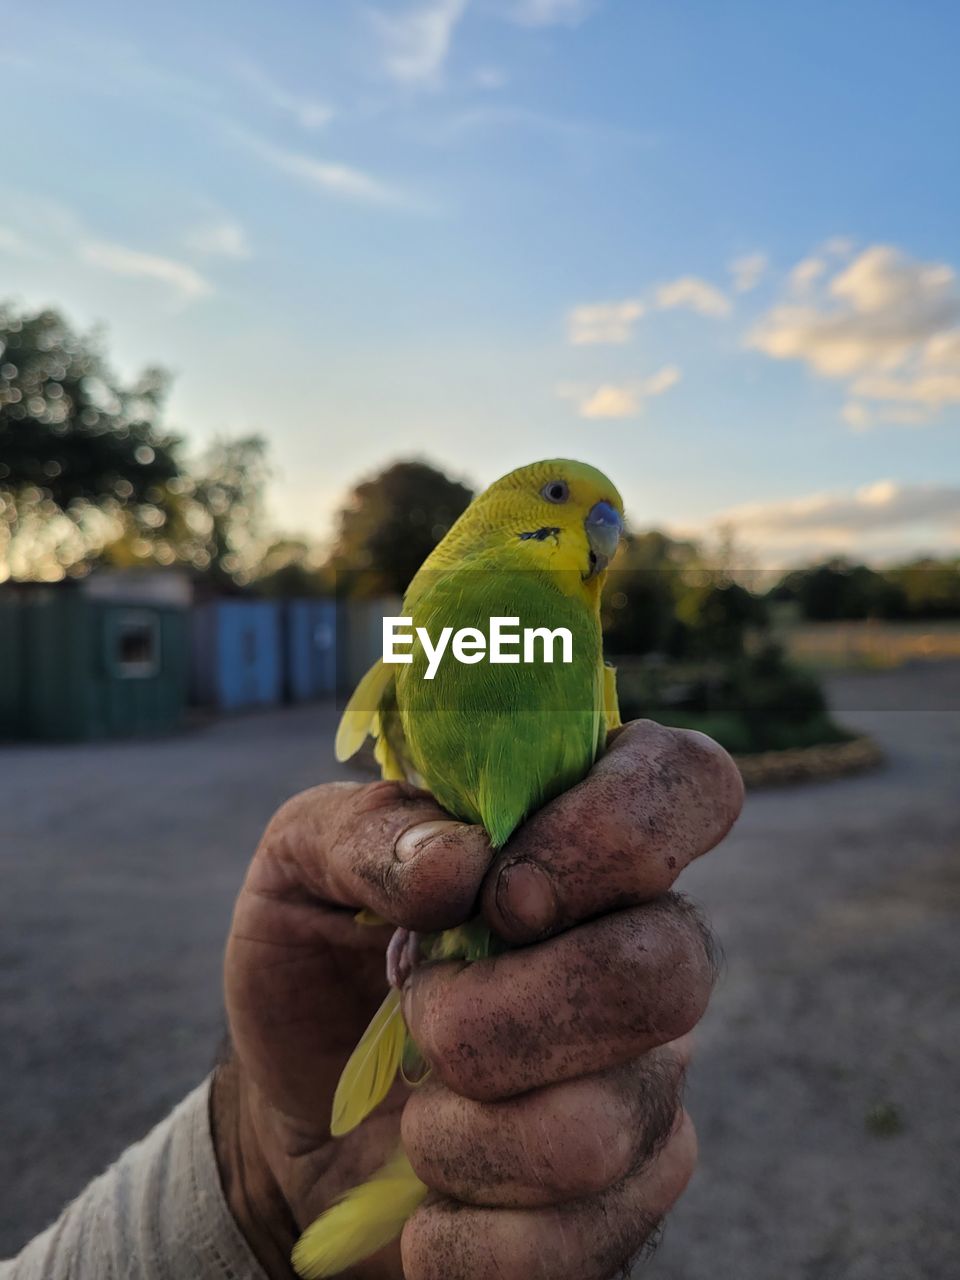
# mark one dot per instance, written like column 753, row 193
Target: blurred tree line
column 90, row 475
column 695, row 648
column 839, row 590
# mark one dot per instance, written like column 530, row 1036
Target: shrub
column 758, row 702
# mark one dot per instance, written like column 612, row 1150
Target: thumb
column 386, row 847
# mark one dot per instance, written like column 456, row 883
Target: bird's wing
column 372, row 712
column 611, row 703
column 362, row 712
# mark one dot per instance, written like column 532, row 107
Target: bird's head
column 560, row 515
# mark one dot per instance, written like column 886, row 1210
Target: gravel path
column 824, row 1086
column 829, row 1133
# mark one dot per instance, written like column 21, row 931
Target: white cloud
column 417, row 43
column 806, row 272
column 338, row 179
column 548, row 13
column 324, row 175
column 884, row 324
column 882, row 279
column 603, row 322
column 593, row 323
column 662, row 380
column 121, row 261
column 610, row 401
column 856, row 415
column 225, row 239
column 748, row 271
column 879, row 521
column 811, row 268
column 623, row 400
column 693, row 293
column 59, row 237
column 882, row 505
column 309, row 112
column 576, row 134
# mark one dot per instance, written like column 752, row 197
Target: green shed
column 102, row 658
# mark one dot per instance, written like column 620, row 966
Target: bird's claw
column 403, row 952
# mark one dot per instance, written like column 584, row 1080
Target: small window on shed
column 136, row 652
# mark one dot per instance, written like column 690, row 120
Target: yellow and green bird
column 492, row 742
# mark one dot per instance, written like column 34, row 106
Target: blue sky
column 709, row 248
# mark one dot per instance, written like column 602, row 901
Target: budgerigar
column 492, row 742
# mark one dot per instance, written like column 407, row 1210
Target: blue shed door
column 310, row 649
column 248, row 654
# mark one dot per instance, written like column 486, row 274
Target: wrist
column 251, row 1191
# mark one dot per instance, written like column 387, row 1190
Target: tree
column 719, row 617
column 210, row 518
column 930, row 587
column 838, row 590
column 230, row 490
column 640, row 599
column 289, row 568
column 390, row 523
column 77, row 446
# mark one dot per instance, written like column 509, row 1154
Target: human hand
column 550, row 1130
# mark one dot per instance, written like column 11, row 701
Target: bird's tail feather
column 371, row 1068
column 361, row 1222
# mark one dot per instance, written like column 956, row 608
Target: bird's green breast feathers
column 493, row 742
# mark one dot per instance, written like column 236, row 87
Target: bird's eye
column 556, row 491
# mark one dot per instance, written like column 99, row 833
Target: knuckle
column 442, row 1241
column 694, row 938
column 290, row 814
column 654, row 1089
column 415, row 1247
column 447, row 878
column 623, row 954
column 635, row 734
column 384, row 794
column 587, row 1160
column 609, row 1237
column 681, row 788
column 713, row 767
column 429, row 905
column 660, row 954
column 451, row 1034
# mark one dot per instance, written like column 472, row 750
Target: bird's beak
column 604, row 526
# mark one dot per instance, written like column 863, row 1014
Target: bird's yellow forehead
column 586, row 484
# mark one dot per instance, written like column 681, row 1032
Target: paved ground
column 825, row 1086
column 824, row 1091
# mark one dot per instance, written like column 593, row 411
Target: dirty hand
column 550, row 1129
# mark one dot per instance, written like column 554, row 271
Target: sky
column 711, row 249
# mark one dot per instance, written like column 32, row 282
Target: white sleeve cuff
column 157, row 1214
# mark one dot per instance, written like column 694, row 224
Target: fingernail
column 525, row 897
column 413, row 839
